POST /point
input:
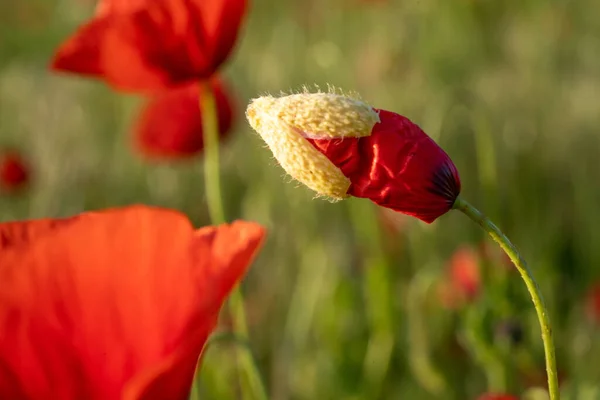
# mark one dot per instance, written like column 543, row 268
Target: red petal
column 113, row 304
column 593, row 303
column 162, row 44
column 170, row 124
column 489, row 396
column 14, row 173
column 398, row 166
column 464, row 272
column 114, row 7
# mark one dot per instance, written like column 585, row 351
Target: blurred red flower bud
column 14, row 171
column 170, row 124
column 148, row 45
column 593, row 303
column 463, row 281
column 464, row 270
column 490, row 396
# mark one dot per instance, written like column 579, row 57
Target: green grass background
column 338, row 307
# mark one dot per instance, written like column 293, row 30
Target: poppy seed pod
column 340, row 146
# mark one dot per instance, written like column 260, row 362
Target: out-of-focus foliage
column 345, row 300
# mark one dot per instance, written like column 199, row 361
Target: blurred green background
column 343, row 301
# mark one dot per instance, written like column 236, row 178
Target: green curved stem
column 532, row 287
column 212, row 182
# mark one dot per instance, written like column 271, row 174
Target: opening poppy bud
column 360, row 151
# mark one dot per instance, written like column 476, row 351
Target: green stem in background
column 532, row 287
column 210, row 132
column 212, row 183
column 483, row 353
column 419, row 354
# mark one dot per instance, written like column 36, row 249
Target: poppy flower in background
column 340, row 146
column 593, row 304
column 464, row 272
column 148, row 45
column 170, row 124
column 490, row 396
column 14, row 171
column 462, row 282
column 116, row 304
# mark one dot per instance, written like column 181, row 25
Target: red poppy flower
column 170, row 124
column 464, row 270
column 490, row 396
column 14, row 172
column 593, row 303
column 115, row 304
column 148, row 45
column 397, row 166
column 463, row 282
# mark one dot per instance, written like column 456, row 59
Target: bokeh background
column 347, row 300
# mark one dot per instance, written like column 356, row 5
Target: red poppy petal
column 80, row 54
column 145, row 46
column 120, row 48
column 114, row 7
column 398, row 166
column 497, row 397
column 14, row 234
column 221, row 22
column 112, row 301
column 220, row 277
column 170, row 124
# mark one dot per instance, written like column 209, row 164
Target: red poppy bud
column 14, row 173
column 375, row 154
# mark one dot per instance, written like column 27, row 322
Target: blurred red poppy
column 148, row 45
column 397, row 166
column 490, row 396
column 464, row 271
column 14, row 171
column 593, row 303
column 463, row 281
column 170, row 124
column 116, row 304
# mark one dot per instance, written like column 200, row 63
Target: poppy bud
column 340, row 146
column 14, row 172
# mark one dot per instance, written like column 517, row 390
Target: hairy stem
column 532, row 287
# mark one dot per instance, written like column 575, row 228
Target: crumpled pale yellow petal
column 285, row 122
